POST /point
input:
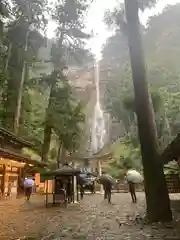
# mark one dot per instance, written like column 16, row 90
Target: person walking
column 81, row 191
column 69, row 191
column 107, row 190
column 132, row 189
column 28, row 187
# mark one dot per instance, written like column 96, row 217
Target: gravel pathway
column 91, row 219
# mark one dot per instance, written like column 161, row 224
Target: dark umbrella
column 105, row 178
column 65, row 170
column 92, row 174
column 82, row 179
column 86, row 177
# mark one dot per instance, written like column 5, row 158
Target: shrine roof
column 4, row 133
column 7, row 154
column 172, row 151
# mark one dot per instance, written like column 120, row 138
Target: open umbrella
column 66, row 170
column 106, row 178
column 134, row 176
column 28, row 182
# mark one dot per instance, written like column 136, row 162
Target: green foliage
column 48, row 97
column 69, row 43
column 65, row 115
column 21, row 41
column 163, row 75
column 34, row 104
column 116, row 18
column 70, row 35
column 126, row 156
column 171, row 168
column 162, row 56
column 31, row 154
column 129, row 103
column 4, row 14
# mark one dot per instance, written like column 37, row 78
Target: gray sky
column 94, row 21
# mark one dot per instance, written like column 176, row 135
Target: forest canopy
column 37, row 101
column 160, row 39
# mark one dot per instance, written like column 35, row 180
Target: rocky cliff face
column 83, row 81
column 81, row 77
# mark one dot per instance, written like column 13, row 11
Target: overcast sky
column 95, row 16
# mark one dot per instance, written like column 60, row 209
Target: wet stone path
column 91, row 219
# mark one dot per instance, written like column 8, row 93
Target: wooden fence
column 123, row 187
column 173, row 183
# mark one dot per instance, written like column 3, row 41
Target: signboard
column 173, row 183
column 14, row 169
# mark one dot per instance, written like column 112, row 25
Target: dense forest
column 37, row 102
column 161, row 45
column 37, row 99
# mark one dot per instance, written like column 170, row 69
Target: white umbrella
column 134, row 176
column 28, row 182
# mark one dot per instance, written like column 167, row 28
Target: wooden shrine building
column 172, row 153
column 13, row 163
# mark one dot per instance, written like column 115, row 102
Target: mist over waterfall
column 98, row 124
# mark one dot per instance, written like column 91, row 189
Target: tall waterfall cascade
column 98, row 123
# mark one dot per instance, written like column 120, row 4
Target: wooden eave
column 172, row 151
column 13, row 138
column 7, row 154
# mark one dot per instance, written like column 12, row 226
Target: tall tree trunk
column 21, row 86
column 47, row 128
column 47, row 141
column 158, row 205
column 167, row 124
column 8, row 57
column 59, row 154
column 9, row 96
column 19, row 99
column 63, row 159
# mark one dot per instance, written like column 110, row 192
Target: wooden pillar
column 20, row 183
column 37, row 178
column 94, row 167
column 99, row 169
column 77, row 190
column 72, row 180
column 74, row 185
column 4, row 179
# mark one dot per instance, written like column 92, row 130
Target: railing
column 173, row 183
column 123, row 187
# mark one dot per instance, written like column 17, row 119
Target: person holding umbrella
column 107, row 181
column 133, row 177
column 107, row 191
column 132, row 190
column 28, row 186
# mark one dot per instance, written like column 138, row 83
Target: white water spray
column 98, row 125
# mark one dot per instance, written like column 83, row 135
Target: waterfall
column 98, row 125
